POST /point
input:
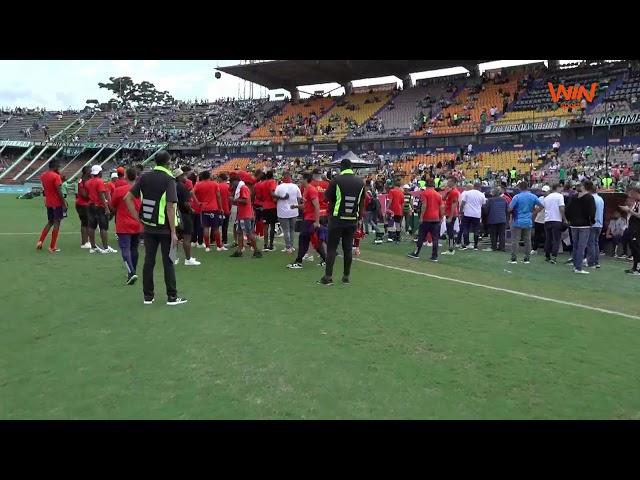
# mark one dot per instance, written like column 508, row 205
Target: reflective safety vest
column 154, row 203
column 436, row 181
column 606, row 182
column 349, row 191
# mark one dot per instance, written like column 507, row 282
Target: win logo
column 572, row 94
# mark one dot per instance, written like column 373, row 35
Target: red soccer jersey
column 189, row 184
column 245, row 211
column 268, row 186
column 205, row 191
column 120, row 182
column 322, row 186
column 258, row 193
column 224, row 196
column 50, row 182
column 432, row 200
column 80, row 200
column 94, row 186
column 111, row 186
column 310, row 193
column 396, row 197
column 451, row 197
column 125, row 223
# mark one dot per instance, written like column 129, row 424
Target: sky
column 57, row 84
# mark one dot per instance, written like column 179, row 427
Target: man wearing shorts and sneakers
column 245, row 217
column 186, row 220
column 82, row 206
column 98, row 211
column 55, row 203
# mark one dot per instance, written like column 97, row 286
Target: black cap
column 317, row 171
column 345, row 164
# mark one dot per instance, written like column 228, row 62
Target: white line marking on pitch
column 498, row 289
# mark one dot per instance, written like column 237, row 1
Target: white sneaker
column 194, row 245
column 110, row 250
column 429, row 244
column 584, row 272
column 207, row 249
column 177, row 261
column 86, row 245
column 533, row 252
column 221, row 249
column 191, row 261
column 200, row 245
column 95, row 250
column 487, row 249
column 285, row 250
column 308, row 258
column 447, row 252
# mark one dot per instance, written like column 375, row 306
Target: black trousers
column 434, row 229
column 539, row 238
column 345, row 234
column 634, row 246
column 497, row 235
column 198, row 233
column 552, row 239
column 225, row 229
column 151, row 243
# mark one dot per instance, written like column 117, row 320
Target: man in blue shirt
column 524, row 206
column 593, row 245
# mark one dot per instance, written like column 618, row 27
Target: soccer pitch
column 257, row 340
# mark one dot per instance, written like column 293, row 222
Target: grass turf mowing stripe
column 506, row 290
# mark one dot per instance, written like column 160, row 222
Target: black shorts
column 83, row 214
column 324, row 221
column 398, row 218
column 55, row 214
column 270, row 216
column 186, row 224
column 98, row 218
column 258, row 213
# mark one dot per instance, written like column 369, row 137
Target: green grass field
column 257, row 340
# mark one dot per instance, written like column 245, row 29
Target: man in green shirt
column 607, row 181
column 562, row 175
column 65, row 186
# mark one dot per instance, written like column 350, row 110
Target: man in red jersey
column 111, row 185
column 432, row 211
column 54, row 203
column 98, row 211
column 198, row 237
column 245, row 216
column 451, row 204
column 269, row 211
column 207, row 193
column 310, row 223
column 120, row 181
column 82, row 206
column 258, row 200
column 396, row 205
column 223, row 186
column 128, row 228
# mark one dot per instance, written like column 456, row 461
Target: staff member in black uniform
column 345, row 196
column 159, row 215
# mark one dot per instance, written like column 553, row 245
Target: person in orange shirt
column 269, row 213
column 396, row 205
column 223, row 186
column 55, row 204
column 431, row 214
column 207, row 194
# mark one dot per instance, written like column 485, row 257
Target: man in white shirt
column 554, row 218
column 288, row 197
column 471, row 202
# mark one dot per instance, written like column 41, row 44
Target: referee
column 159, row 215
column 345, row 196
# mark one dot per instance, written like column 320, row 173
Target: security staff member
column 345, row 196
column 159, row 215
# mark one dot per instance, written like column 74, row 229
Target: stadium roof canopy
column 289, row 74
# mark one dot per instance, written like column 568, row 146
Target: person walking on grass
column 288, row 197
column 128, row 227
column 471, row 202
column 451, row 211
column 634, row 228
column 431, row 214
column 581, row 213
column 55, row 203
column 497, row 210
column 245, row 217
column 523, row 208
column 593, row 244
column 554, row 219
column 159, row 215
column 186, row 220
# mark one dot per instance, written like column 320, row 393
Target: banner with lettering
column 524, row 127
column 616, row 119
